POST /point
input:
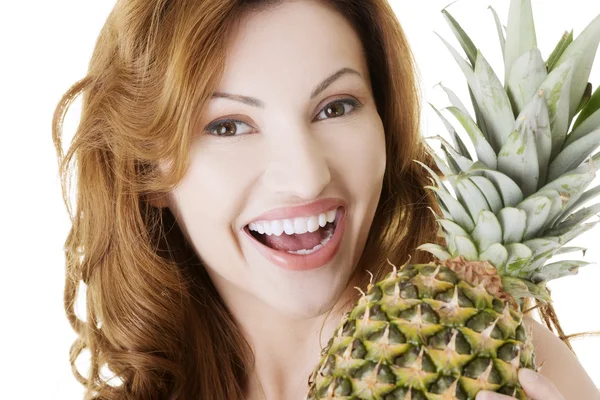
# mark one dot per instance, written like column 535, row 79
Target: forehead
column 297, row 42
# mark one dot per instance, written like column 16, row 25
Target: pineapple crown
column 521, row 200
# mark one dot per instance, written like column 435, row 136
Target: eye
column 225, row 127
column 229, row 127
column 337, row 108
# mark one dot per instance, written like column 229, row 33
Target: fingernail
column 485, row 395
column 527, row 375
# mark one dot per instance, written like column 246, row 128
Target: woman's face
column 306, row 145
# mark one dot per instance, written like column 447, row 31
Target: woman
column 191, row 294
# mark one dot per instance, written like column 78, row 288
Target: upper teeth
column 294, row 225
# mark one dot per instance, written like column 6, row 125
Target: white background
column 45, row 47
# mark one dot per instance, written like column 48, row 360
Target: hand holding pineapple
column 454, row 328
column 535, row 385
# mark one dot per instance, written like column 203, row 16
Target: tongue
column 296, row 241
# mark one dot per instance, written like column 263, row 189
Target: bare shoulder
column 560, row 365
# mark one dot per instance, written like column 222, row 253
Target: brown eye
column 337, row 108
column 225, row 127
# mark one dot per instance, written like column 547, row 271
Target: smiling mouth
column 298, row 243
column 327, row 230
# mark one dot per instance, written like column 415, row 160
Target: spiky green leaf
column 457, row 211
column 471, row 197
column 557, row 270
column 591, row 108
column 574, row 154
column 518, row 158
column 576, row 218
column 435, row 249
column 587, row 94
column 556, row 88
column 489, row 192
column 485, row 152
column 574, row 232
column 466, row 248
column 519, row 288
column 493, row 103
column 457, row 141
column 450, row 230
column 496, row 254
column 463, row 163
column 441, row 164
column 537, row 209
column 571, row 249
column 501, row 37
column 434, row 176
column 582, row 51
column 445, row 211
column 513, row 222
column 542, row 244
column 453, row 98
column 590, row 124
column 583, row 199
column 478, row 113
column 508, row 189
column 465, row 41
column 465, row 67
column 556, row 207
column 571, row 184
column 526, row 76
column 564, row 42
column 520, row 33
column 542, row 250
column 487, row 231
column 518, row 255
column 535, row 117
column 474, row 90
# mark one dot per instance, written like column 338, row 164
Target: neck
column 286, row 346
column 285, row 355
column 281, row 319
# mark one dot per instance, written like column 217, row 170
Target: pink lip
column 298, row 262
column 307, row 210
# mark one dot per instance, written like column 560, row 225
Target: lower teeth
column 317, row 247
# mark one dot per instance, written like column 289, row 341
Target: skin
column 288, row 153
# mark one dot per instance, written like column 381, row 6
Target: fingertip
column 483, row 395
column 487, row 395
column 538, row 386
column 528, row 376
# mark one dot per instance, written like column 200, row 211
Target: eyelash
column 211, row 127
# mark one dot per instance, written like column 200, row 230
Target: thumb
column 537, row 386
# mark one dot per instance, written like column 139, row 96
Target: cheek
column 360, row 157
column 211, row 194
column 219, row 176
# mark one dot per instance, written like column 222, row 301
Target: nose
column 298, row 165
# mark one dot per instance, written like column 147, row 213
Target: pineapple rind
column 422, row 327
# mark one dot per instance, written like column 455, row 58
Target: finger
column 537, row 386
column 487, row 395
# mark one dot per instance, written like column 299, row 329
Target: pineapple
column 448, row 329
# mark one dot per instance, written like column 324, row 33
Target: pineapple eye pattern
column 400, row 340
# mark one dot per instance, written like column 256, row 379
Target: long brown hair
column 153, row 317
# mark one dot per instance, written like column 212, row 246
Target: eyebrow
column 254, row 102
